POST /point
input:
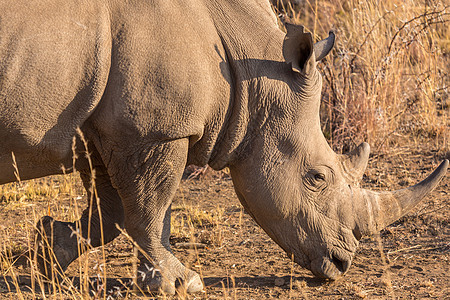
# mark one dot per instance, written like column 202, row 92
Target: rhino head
column 303, row 194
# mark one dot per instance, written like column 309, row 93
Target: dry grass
column 190, row 223
column 387, row 80
column 386, row 83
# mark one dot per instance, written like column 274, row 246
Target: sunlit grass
column 386, row 82
column 192, row 223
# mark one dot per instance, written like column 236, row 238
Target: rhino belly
column 25, row 166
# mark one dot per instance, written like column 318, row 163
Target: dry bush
column 387, row 81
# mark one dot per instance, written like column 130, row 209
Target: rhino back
column 54, row 64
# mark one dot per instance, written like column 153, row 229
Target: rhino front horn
column 384, row 208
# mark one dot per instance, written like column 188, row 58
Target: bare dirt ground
column 237, row 260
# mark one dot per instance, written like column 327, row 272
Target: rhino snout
column 331, row 266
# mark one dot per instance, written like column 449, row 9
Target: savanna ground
column 386, row 83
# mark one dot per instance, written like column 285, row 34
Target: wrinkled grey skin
column 157, row 85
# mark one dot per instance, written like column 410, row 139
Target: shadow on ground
column 261, row 281
column 119, row 287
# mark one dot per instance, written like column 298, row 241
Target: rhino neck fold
column 252, row 49
column 261, row 82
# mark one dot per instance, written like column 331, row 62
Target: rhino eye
column 319, row 177
column 315, row 181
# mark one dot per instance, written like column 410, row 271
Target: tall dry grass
column 387, row 81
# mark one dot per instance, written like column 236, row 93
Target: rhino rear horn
column 355, row 162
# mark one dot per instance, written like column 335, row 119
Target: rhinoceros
column 157, row 85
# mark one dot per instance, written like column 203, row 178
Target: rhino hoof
column 154, row 281
column 195, row 284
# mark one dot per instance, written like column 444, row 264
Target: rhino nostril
column 357, row 233
column 341, row 265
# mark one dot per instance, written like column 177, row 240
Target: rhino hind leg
column 60, row 243
column 146, row 178
column 54, row 251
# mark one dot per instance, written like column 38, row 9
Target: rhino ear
column 298, row 49
column 322, row 48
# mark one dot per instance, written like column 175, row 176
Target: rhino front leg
column 161, row 270
column 147, row 180
column 60, row 243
